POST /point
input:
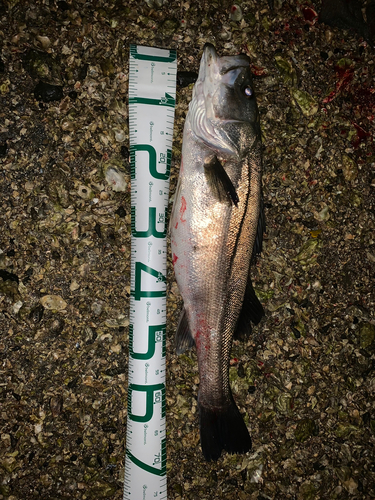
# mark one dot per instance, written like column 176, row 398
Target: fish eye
column 248, row 91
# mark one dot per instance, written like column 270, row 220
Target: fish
column 216, row 227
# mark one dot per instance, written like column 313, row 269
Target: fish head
column 223, row 111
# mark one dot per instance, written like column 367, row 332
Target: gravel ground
column 305, row 381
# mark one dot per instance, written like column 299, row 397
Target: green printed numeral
column 152, row 161
column 156, row 334
column 167, row 100
column 155, row 394
column 138, row 293
column 146, row 57
column 158, row 458
column 151, row 224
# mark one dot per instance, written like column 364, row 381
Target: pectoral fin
column 219, row 182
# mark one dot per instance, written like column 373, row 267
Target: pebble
column 116, row 179
column 53, row 302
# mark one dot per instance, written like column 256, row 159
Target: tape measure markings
column 151, row 116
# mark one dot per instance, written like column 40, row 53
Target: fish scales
column 214, row 225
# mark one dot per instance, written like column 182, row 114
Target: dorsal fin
column 252, row 312
column 261, row 228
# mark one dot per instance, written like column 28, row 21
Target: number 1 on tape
column 152, row 95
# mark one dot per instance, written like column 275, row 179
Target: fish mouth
column 208, row 62
column 213, row 66
column 209, row 53
column 215, row 71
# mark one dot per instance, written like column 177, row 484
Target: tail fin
column 222, row 429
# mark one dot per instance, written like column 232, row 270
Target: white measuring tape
column 152, row 94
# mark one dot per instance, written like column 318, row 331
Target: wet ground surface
column 305, row 381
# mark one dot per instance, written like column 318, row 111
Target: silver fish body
column 216, row 221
